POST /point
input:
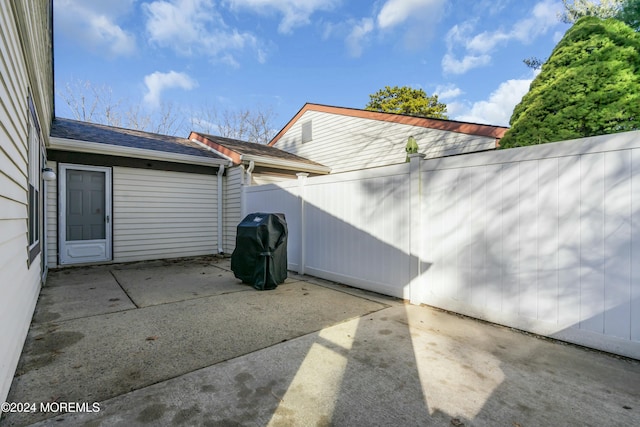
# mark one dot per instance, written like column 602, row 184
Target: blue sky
column 279, row 54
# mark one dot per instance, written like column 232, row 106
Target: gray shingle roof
column 91, row 132
column 255, row 149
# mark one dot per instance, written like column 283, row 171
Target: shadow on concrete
column 317, row 353
column 83, row 356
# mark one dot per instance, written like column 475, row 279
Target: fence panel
column 539, row 238
column 278, row 198
column 357, row 229
column 542, row 238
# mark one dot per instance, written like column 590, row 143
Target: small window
column 34, row 167
column 306, row 131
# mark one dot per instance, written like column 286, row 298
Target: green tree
column 630, row 14
column 576, row 9
column 589, row 86
column 627, row 11
column 533, row 62
column 406, row 100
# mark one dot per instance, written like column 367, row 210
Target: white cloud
column 491, row 7
column 460, row 66
column 456, row 109
column 449, row 91
column 498, row 108
column 418, row 19
column 296, row 13
column 415, row 20
column 543, row 18
column 458, row 34
column 395, row 12
column 157, row 82
column 477, row 48
column 94, row 24
column 486, row 42
column 194, row 27
column 358, row 35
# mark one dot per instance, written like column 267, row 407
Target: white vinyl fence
column 545, row 239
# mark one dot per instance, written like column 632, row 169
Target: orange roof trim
column 235, row 157
column 440, row 124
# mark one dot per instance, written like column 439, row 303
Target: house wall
column 232, row 209
column 350, row 143
column 161, row 214
column 51, row 218
column 542, row 238
column 25, row 67
column 156, row 214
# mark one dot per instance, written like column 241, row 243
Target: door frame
column 62, row 216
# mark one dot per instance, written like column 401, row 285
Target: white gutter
column 285, row 164
column 249, row 170
column 122, row 151
column 220, row 210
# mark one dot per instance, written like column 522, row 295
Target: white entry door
column 85, row 214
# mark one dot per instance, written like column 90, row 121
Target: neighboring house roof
column 440, row 124
column 347, row 139
column 73, row 135
column 243, row 151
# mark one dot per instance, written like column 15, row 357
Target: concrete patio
column 182, row 342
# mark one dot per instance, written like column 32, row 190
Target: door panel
column 86, row 218
column 85, row 200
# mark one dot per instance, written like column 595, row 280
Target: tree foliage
column 576, row 9
column 406, row 100
column 627, row 11
column 630, row 14
column 533, row 62
column 589, row 86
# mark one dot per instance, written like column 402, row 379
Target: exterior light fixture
column 48, row 174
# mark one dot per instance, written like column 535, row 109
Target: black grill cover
column 260, row 256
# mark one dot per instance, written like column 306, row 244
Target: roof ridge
column 426, row 122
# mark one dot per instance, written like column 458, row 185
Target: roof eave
column 286, row 164
column 217, row 148
column 65, row 144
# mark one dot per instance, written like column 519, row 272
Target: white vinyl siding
column 347, row 143
column 36, row 41
column 161, row 214
column 51, row 219
column 232, row 201
column 19, row 282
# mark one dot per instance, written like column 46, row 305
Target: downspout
column 252, row 165
column 220, row 233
